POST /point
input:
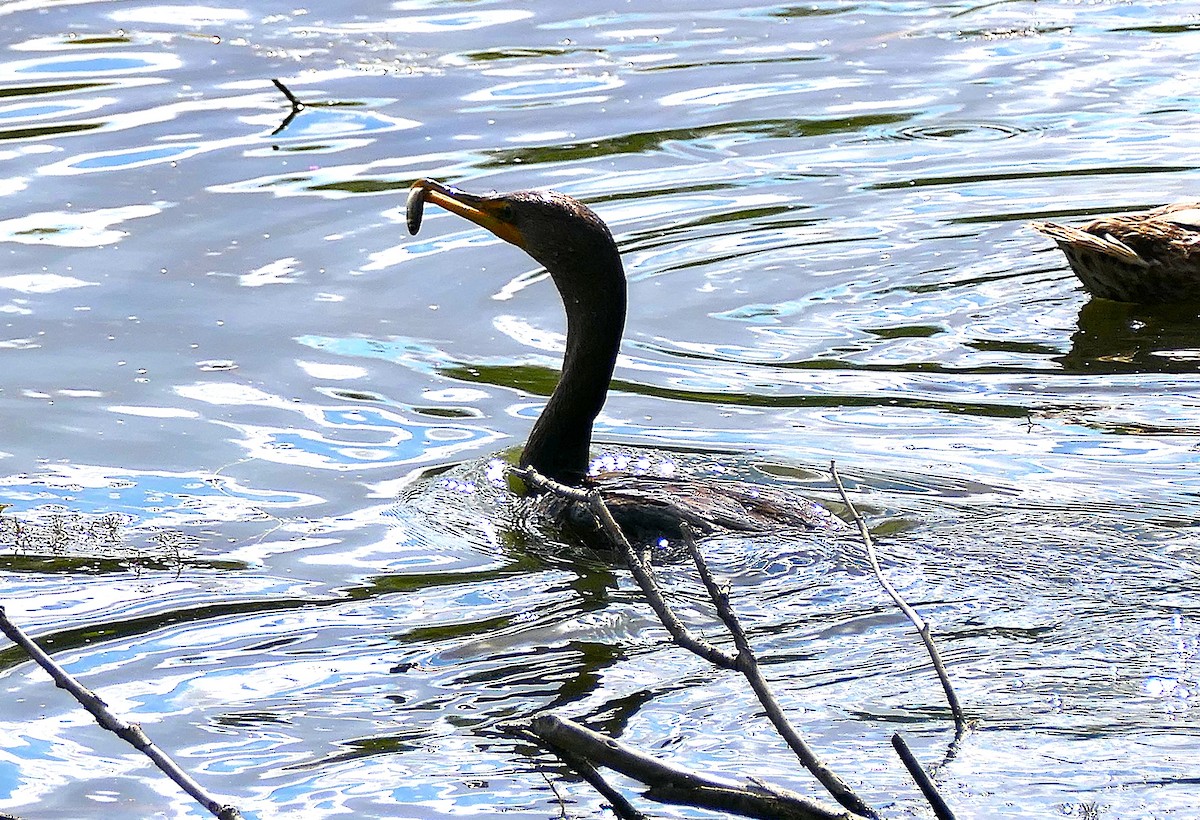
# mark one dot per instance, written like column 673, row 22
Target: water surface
column 248, row 421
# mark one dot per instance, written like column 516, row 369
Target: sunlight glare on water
column 251, row 428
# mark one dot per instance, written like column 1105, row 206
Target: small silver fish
column 415, row 208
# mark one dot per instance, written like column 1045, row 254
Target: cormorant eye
column 506, row 212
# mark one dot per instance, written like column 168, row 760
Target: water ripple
column 254, row 445
column 962, row 132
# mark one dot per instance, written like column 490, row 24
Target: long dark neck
column 594, row 299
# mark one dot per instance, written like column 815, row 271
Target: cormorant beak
column 491, row 212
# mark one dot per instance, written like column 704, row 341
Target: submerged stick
column 921, row 778
column 620, row 805
column 922, row 627
column 131, row 733
column 299, row 105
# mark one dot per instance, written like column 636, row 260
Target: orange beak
column 485, row 211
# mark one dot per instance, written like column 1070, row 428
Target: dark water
column 231, row 382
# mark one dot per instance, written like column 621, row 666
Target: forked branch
column 743, row 662
column 747, row 664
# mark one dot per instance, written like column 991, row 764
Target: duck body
column 1148, row 256
column 578, row 251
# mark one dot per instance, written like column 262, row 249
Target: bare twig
column 638, row 566
column 922, row 627
column 621, row 806
column 288, row 93
column 921, row 778
column 743, row 662
column 747, row 664
column 131, row 733
column 297, row 106
column 669, row 783
column 562, row 803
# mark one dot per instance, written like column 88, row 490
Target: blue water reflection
column 130, row 159
column 254, row 433
column 145, row 498
column 340, row 437
column 91, row 65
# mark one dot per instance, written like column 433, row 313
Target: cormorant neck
column 593, row 294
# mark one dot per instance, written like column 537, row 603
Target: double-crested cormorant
column 1149, row 256
column 577, row 249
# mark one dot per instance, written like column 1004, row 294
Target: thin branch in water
column 743, row 662
column 670, row 783
column 922, row 779
column 131, row 733
column 297, row 106
column 960, row 721
column 621, row 807
column 562, row 802
column 639, row 567
column 287, row 92
column 747, row 664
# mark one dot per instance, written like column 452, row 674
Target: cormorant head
column 558, row 231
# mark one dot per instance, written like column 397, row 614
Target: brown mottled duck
column 1148, row 256
column 575, row 246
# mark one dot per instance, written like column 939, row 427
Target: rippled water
column 232, row 387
